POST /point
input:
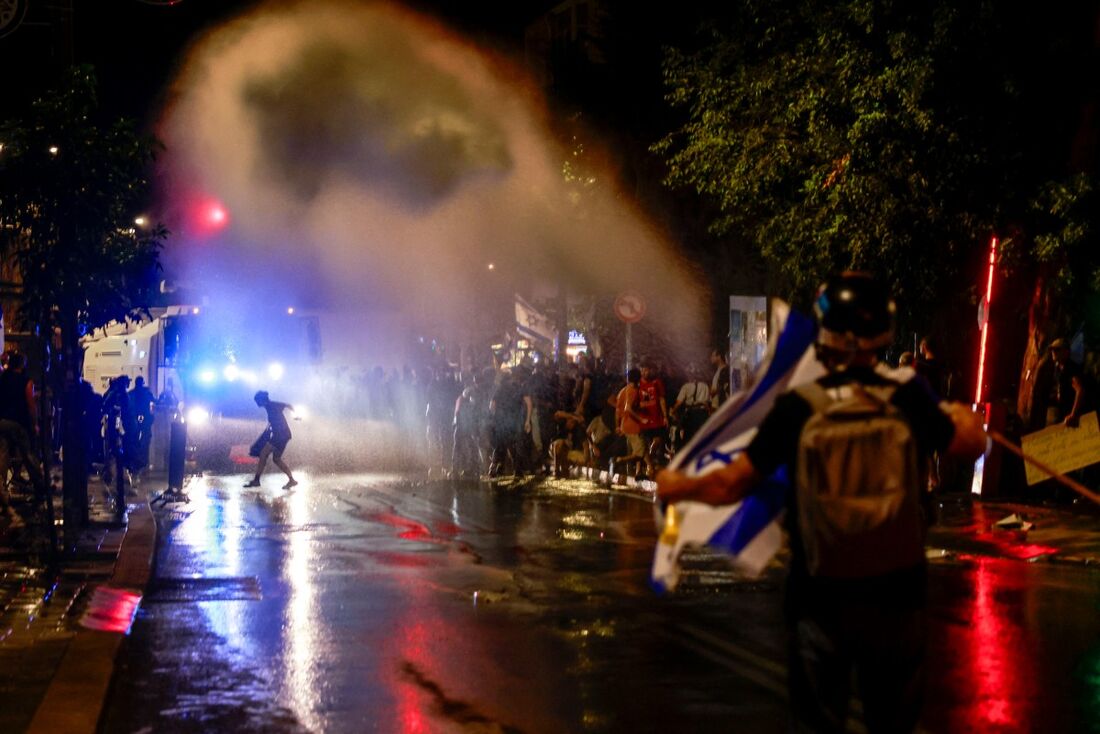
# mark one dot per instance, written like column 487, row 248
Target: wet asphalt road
column 379, row 603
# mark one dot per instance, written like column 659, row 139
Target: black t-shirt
column 937, row 374
column 509, row 409
column 275, row 418
column 13, row 398
column 776, row 445
column 141, row 401
column 1064, row 393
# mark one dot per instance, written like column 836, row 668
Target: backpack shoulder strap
column 881, row 393
column 816, row 395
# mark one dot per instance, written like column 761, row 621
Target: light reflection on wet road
column 393, row 606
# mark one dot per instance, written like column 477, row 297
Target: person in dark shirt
column 119, row 429
column 142, row 403
column 17, row 398
column 18, row 424
column 874, row 624
column 273, row 440
column 1073, row 394
column 934, row 369
column 507, row 415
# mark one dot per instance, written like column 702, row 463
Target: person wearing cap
column 1071, row 395
column 873, row 624
column 274, row 439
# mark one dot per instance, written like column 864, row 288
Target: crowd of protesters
column 539, row 417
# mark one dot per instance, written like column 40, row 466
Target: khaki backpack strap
column 880, row 393
column 816, row 395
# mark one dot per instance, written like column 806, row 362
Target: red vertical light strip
column 985, row 325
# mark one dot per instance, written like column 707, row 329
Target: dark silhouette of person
column 142, row 404
column 18, row 426
column 866, row 613
column 120, row 428
column 272, row 442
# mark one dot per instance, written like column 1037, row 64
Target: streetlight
column 53, row 150
column 140, row 221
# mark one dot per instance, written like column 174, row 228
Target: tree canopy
column 71, row 188
column 886, row 136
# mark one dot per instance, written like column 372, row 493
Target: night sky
column 135, row 45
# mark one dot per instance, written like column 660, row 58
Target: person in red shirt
column 629, row 422
column 654, row 411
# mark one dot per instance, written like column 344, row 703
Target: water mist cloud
column 368, row 154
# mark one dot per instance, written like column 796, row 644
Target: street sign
column 629, row 307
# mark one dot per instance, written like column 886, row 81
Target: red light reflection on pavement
column 998, row 663
column 1007, row 545
column 405, row 560
column 410, row 529
column 447, row 528
column 410, row 699
column 111, row 610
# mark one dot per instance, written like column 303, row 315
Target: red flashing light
column 207, row 217
column 216, row 214
column 985, row 320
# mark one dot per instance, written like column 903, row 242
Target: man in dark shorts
column 272, row 442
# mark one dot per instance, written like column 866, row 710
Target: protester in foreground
column 272, row 442
column 856, row 441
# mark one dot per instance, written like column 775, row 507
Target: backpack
column 858, row 484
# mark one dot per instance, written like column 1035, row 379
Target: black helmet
column 855, row 313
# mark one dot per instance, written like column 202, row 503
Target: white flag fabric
column 749, row 530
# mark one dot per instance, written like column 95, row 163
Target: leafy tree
column 1060, row 253
column 820, row 130
column 70, row 188
column 889, row 136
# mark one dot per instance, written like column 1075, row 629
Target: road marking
column 739, row 652
column 763, row 671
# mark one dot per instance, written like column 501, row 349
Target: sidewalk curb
column 78, row 691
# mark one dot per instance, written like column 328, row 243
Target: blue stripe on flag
column 747, row 531
column 757, row 511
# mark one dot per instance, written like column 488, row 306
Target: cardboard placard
column 1063, row 449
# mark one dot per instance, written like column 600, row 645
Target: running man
column 273, row 440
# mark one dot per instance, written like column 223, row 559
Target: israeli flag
column 749, row 531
